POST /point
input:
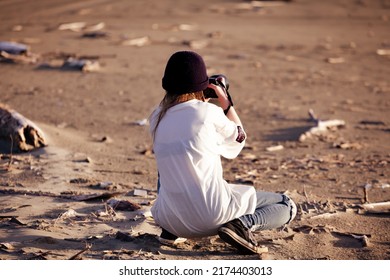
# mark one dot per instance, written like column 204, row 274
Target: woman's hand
column 222, row 96
column 225, row 102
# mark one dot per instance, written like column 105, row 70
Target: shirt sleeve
column 232, row 137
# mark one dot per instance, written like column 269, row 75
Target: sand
column 58, row 202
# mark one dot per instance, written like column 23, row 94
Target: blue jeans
column 273, row 210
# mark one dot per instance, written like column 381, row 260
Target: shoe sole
column 236, row 241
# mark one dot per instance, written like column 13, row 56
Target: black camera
column 218, row 80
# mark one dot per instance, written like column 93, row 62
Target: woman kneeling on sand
column 189, row 137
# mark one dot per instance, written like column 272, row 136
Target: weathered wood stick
column 321, row 127
column 366, row 188
column 363, row 239
column 26, row 59
column 377, row 208
column 78, row 255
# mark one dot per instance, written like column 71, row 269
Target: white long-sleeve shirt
column 194, row 200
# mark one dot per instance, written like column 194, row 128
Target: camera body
column 218, row 80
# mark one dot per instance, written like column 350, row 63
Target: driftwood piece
column 377, row 208
column 10, row 247
column 80, row 65
column 363, row 238
column 78, row 256
column 12, row 52
column 261, row 250
column 137, row 42
column 71, row 64
column 39, row 256
column 13, row 48
column 28, row 58
column 321, row 126
column 124, row 237
column 95, row 196
column 123, row 205
column 73, row 26
column 17, row 133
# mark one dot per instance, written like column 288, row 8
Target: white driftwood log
column 377, row 208
column 22, row 58
column 19, row 133
column 321, row 126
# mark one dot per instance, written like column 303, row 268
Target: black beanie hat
column 185, row 73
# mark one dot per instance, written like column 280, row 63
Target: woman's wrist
column 227, row 109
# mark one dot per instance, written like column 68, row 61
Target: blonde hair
column 171, row 100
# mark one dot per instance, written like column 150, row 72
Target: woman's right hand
column 222, row 96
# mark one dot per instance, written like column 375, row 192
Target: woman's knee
column 291, row 206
